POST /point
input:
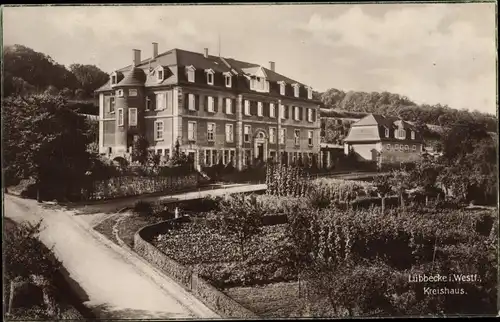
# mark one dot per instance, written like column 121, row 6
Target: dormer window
column 282, row 88
column 386, row 132
column 309, row 93
column 160, row 75
column 259, row 84
column 401, row 134
column 113, row 79
column 228, row 80
column 210, row 76
column 296, row 88
column 190, row 73
column 413, row 135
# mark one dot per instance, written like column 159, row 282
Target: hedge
column 125, row 186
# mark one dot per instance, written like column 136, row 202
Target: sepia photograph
column 249, row 161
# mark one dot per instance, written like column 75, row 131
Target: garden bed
column 277, row 300
column 217, row 257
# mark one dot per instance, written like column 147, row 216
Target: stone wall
column 219, row 302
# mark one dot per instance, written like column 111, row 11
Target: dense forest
column 355, row 104
column 29, row 72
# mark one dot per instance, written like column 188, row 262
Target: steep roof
column 374, row 119
column 134, row 77
column 184, row 58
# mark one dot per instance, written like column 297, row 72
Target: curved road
column 116, row 283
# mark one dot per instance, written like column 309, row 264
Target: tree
column 241, row 218
column 425, row 176
column 46, row 141
column 51, row 90
column 383, row 184
column 140, row 150
column 400, row 182
column 36, row 69
column 89, row 77
column 67, row 93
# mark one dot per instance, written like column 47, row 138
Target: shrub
column 143, row 208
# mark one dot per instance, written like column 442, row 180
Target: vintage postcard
column 247, row 161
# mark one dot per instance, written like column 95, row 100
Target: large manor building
column 218, row 109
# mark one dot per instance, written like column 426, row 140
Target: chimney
column 205, row 53
column 155, row 49
column 137, row 57
column 271, row 65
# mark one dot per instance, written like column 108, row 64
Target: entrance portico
column 260, row 145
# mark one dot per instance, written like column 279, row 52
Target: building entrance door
column 260, row 151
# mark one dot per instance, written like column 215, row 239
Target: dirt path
column 114, row 284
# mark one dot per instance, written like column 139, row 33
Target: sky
column 431, row 53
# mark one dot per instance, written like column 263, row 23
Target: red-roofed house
column 217, row 108
column 383, row 139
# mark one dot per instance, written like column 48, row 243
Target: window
column 132, row 116
column 309, row 115
column 401, row 147
column 191, row 131
column 149, row 103
column 190, row 73
column 246, row 133
column 225, row 159
column 282, row 136
column 282, row 88
column 160, row 75
column 412, row 135
column 272, row 135
column 259, row 84
column 401, row 134
column 247, row 107
column 111, row 104
column 388, row 147
column 113, row 79
column 208, row 157
column 296, row 88
column 210, row 77
column 132, row 92
column 211, row 132
column 260, row 109
column 158, row 130
column 229, row 133
column 191, row 102
column 229, row 107
column 309, row 93
column 414, row 148
column 167, row 154
column 310, row 136
column 232, row 155
column 210, row 101
column 297, row 137
column 407, row 148
column 228, row 80
column 272, row 110
column 120, row 117
column 282, row 111
column 214, row 157
column 119, row 93
column 159, row 152
column 386, row 132
column 296, row 113
column 160, row 101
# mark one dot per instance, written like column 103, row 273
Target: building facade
column 218, row 110
column 385, row 140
